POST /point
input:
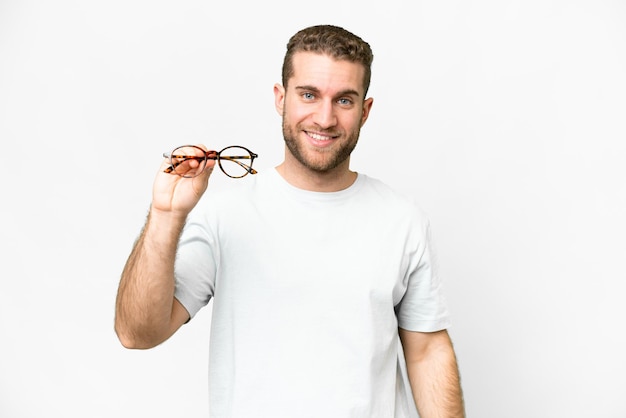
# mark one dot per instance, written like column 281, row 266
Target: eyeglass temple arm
column 234, row 158
column 211, row 157
column 184, row 158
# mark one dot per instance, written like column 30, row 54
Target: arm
column 146, row 312
column 433, row 374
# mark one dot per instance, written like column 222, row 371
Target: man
column 321, row 277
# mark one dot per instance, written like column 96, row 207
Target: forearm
column 146, row 291
column 435, row 381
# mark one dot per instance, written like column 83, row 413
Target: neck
column 334, row 180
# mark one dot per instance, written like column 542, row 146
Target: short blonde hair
column 333, row 41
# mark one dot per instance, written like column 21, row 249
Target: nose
column 324, row 115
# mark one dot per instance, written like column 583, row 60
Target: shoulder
column 389, row 200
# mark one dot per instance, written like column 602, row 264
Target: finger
column 209, row 164
column 186, row 161
column 208, row 170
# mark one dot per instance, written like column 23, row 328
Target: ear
column 367, row 106
column 279, row 98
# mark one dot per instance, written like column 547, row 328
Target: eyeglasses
column 189, row 161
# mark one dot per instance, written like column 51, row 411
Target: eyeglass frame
column 211, row 155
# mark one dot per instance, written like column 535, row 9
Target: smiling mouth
column 317, row 137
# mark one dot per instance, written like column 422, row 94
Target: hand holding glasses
column 190, row 161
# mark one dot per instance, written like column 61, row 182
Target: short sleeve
column 423, row 307
column 196, row 265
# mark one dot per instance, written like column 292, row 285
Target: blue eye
column 345, row 102
column 308, row 96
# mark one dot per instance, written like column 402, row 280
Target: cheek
column 295, row 115
column 351, row 122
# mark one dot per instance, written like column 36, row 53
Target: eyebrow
column 346, row 92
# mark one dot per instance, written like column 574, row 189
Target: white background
column 504, row 119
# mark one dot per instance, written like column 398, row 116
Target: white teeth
column 319, row 137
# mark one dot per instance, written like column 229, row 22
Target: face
column 323, row 109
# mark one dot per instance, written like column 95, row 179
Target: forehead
column 326, row 73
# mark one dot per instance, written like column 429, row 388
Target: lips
column 320, row 140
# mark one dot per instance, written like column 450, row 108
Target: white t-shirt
column 308, row 292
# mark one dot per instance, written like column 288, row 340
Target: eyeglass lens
column 235, row 161
column 188, row 161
